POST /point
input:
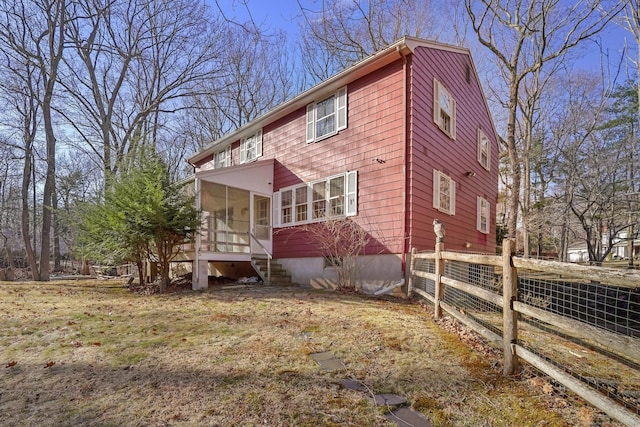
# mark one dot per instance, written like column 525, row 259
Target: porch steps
column 279, row 276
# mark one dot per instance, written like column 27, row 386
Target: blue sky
column 275, row 14
column 282, row 14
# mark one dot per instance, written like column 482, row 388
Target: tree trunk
column 8, row 272
column 49, row 188
column 140, row 267
column 526, row 199
column 164, row 277
column 513, row 201
column 24, row 215
column 56, row 234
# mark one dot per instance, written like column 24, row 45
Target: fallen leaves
column 538, row 382
column 547, row 389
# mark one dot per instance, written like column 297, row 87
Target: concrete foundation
column 373, row 272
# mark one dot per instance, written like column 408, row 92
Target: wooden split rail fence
column 598, row 307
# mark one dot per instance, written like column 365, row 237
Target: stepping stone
column 328, row 361
column 405, row 417
column 389, row 400
column 354, row 385
column 325, row 355
column 331, row 365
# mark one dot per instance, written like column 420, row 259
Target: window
column 484, row 150
column 336, row 196
column 319, row 199
column 251, row 147
column 223, row 158
column 483, row 215
column 444, row 109
column 444, row 193
column 325, row 118
column 287, row 201
column 301, row 204
column 332, row 197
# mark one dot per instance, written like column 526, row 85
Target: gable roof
column 392, row 53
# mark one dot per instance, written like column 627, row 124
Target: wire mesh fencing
column 587, row 328
column 612, row 313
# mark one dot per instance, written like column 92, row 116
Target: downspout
column 405, row 234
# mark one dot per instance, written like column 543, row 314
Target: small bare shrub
column 340, row 241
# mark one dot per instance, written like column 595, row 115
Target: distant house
column 578, row 252
column 398, row 139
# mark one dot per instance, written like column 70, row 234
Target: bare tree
column 525, row 36
column 591, row 178
column 134, row 63
column 596, row 198
column 340, row 242
column 631, row 21
column 342, row 32
column 32, row 37
column 9, row 208
column 258, row 75
column 20, row 92
column 529, row 104
column 570, row 111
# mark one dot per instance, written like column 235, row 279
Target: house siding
column 375, row 131
column 431, row 148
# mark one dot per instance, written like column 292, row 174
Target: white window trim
column 258, row 147
column 437, row 175
column 483, row 141
column 438, row 91
column 340, row 111
column 222, row 158
column 350, row 200
column 483, row 205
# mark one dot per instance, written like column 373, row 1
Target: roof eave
column 362, row 68
column 393, row 52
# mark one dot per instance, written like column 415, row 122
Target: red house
column 393, row 142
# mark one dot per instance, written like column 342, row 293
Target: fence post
column 509, row 316
column 439, row 286
column 412, row 266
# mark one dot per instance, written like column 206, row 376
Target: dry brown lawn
column 92, row 353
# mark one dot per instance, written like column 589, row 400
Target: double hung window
column 483, row 219
column 444, row 109
column 327, row 117
column 251, row 147
column 484, row 150
column 444, row 193
column 223, row 158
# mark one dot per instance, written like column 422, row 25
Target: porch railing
column 267, row 253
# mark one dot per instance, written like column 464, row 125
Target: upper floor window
column 327, row 117
column 251, row 147
column 223, row 158
column 332, row 197
column 444, row 193
column 484, row 150
column 483, row 219
column 444, row 109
